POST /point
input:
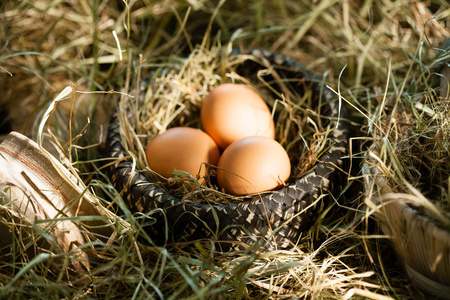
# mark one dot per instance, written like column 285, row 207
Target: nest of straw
column 308, row 126
column 172, row 97
column 408, row 174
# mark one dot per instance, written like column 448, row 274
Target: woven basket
column 277, row 219
column 420, row 242
column 422, row 246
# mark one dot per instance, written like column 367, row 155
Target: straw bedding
column 363, row 47
column 278, row 218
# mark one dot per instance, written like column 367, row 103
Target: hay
column 364, row 51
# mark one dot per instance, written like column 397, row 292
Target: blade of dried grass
column 364, row 293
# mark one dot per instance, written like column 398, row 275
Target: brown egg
column 231, row 112
column 182, row 148
column 252, row 165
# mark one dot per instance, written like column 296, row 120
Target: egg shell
column 182, row 148
column 252, row 165
column 231, row 112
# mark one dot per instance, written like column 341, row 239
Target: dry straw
column 45, row 45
